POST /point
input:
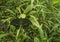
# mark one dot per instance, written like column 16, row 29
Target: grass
column 29, row 20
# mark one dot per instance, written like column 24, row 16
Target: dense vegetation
column 29, row 20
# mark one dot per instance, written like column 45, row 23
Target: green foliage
column 29, row 20
column 36, row 40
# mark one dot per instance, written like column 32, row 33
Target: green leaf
column 12, row 28
column 29, row 8
column 3, row 35
column 55, row 1
column 34, row 21
column 8, row 10
column 18, row 31
column 36, row 39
